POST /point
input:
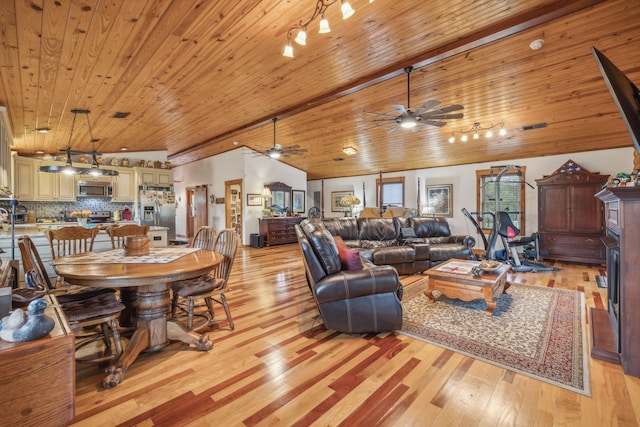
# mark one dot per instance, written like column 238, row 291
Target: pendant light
column 68, row 168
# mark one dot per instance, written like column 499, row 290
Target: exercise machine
column 504, row 230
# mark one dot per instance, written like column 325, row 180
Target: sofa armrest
column 356, row 283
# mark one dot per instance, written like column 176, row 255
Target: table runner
column 116, row 256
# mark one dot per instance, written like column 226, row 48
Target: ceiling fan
column 278, row 150
column 426, row 114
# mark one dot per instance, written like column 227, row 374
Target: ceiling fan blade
column 380, row 114
column 454, row 107
column 440, row 116
column 393, row 129
column 427, row 106
column 400, row 108
column 434, row 123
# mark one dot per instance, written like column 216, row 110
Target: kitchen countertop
column 40, row 227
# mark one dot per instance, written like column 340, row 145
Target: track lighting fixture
column 320, row 9
column 476, row 130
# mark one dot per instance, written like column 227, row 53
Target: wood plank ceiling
column 203, row 77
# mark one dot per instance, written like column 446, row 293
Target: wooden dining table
column 150, row 276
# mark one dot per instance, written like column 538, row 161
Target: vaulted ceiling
column 199, row 78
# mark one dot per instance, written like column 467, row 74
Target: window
column 500, row 190
column 392, row 191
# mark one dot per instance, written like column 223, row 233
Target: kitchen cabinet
column 152, row 176
column 277, row 231
column 570, row 217
column 55, row 186
column 124, row 188
column 24, row 179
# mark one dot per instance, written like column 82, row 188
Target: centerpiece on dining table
column 138, row 245
column 81, row 217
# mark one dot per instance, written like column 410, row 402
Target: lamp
column 68, row 168
column 475, row 131
column 321, row 8
column 428, row 211
column 349, row 201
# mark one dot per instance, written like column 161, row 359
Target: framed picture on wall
column 297, row 201
column 254, row 200
column 336, row 196
column 439, row 200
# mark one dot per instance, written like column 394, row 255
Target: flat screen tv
column 624, row 93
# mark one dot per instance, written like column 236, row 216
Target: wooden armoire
column 570, row 217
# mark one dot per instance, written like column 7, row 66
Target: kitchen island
column 36, row 231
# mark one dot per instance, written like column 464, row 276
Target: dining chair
column 70, row 240
column 117, row 233
column 204, row 238
column 84, row 311
column 20, row 296
column 186, row 292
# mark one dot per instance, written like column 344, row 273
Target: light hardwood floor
column 280, row 367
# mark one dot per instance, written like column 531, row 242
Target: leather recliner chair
column 351, row 301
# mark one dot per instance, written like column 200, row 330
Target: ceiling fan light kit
column 320, row 9
column 425, row 114
column 475, row 130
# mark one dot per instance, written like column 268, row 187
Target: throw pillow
column 349, row 258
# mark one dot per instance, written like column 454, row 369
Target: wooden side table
column 454, row 279
column 38, row 378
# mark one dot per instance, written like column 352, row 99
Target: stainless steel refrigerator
column 157, row 206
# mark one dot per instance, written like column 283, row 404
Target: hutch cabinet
column 570, row 217
column 277, row 231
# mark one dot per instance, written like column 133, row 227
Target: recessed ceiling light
column 42, row 130
column 123, row 148
column 536, row 44
column 349, row 151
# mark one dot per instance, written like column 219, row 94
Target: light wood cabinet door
column 24, row 179
column 124, row 187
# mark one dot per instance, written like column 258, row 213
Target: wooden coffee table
column 454, row 279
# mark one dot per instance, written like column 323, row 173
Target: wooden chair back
column 118, row 233
column 204, row 238
column 226, row 244
column 71, row 240
column 9, row 275
column 31, row 261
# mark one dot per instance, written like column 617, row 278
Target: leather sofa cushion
column 323, row 246
column 347, row 228
column 378, row 229
column 430, row 227
column 393, row 255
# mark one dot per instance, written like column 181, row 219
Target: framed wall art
column 440, row 200
column 336, row 196
column 254, row 200
column 297, row 201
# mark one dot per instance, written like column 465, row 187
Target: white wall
column 253, row 169
column 463, row 179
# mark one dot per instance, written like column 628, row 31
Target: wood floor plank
column 281, row 367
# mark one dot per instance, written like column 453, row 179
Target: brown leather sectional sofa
column 381, row 241
column 352, row 301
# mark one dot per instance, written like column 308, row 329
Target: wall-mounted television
column 624, row 93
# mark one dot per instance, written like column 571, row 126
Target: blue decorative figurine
column 20, row 326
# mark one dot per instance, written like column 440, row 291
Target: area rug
column 535, row 331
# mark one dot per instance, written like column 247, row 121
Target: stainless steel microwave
column 94, row 189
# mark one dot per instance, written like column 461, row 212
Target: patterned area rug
column 535, row 331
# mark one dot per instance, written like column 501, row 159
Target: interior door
column 197, row 209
